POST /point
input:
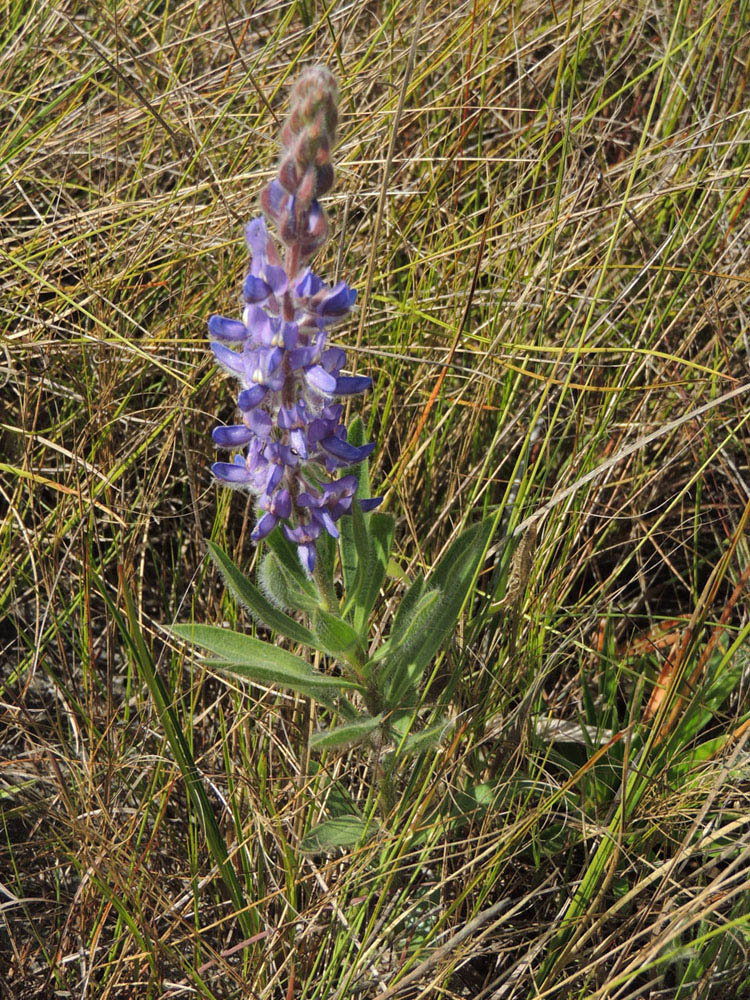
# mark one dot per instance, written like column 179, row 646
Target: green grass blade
column 133, row 636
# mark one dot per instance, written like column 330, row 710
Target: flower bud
column 305, row 171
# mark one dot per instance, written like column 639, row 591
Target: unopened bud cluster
column 291, row 434
column 305, row 171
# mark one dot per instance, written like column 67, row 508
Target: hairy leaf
column 427, row 739
column 374, row 538
column 349, row 557
column 406, row 608
column 261, row 662
column 344, row 831
column 287, row 555
column 283, row 587
column 332, row 634
column 452, row 580
column 248, row 594
column 343, row 736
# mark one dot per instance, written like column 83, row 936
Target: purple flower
column 347, row 453
column 336, row 303
column 258, row 241
column 232, row 437
column 248, row 399
column 255, row 289
column 308, row 285
column 296, row 420
column 231, row 361
column 277, row 507
column 291, row 436
column 307, row 360
column 321, row 305
column 304, row 536
column 232, row 474
column 327, row 506
column 264, row 368
column 352, row 385
column 227, row 329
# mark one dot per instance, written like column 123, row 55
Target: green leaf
column 452, row 579
column 427, row 739
column 347, row 711
column 261, row 662
column 287, row 555
column 344, row 831
column 361, row 544
column 409, row 627
column 396, row 572
column 330, row 692
column 283, row 587
column 380, row 653
column 693, row 757
column 349, row 555
column 406, row 608
column 473, row 799
column 343, row 736
column 326, row 549
column 338, row 798
column 332, row 634
column 725, row 671
column 248, row 594
column 408, row 636
column 374, row 540
column 356, row 436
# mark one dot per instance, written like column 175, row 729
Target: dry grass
column 557, row 317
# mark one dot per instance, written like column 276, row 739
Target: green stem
column 326, row 589
column 384, row 777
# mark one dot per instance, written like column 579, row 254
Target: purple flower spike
column 264, row 527
column 369, row 504
column 305, row 536
column 295, row 420
column 277, row 279
column 308, row 285
column 277, row 507
column 256, row 235
column 333, row 360
column 338, row 496
column 259, row 422
column 264, row 367
column 319, row 513
column 274, row 200
column 291, row 435
column 259, row 325
column 282, row 504
column 286, row 336
column 307, row 556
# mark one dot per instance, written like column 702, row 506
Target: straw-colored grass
column 545, row 208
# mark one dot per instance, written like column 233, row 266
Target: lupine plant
column 327, row 548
